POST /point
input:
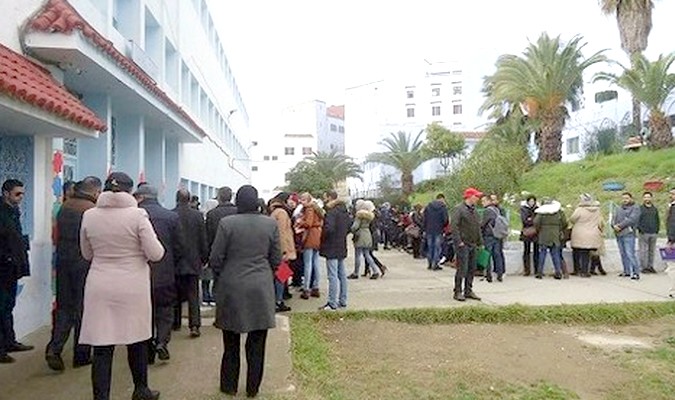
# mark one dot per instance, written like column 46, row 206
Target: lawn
column 513, row 352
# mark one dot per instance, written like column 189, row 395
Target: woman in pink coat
column 118, row 239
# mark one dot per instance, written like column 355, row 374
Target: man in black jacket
column 13, row 265
column 467, row 239
column 224, row 208
column 163, row 273
column 648, row 230
column 336, row 225
column 190, row 266
column 71, row 274
column 435, row 218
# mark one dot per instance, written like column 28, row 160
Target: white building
column 151, row 74
column 437, row 92
column 304, row 129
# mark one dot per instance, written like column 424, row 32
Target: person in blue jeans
column 550, row 222
column 363, row 239
column 625, row 223
column 334, row 248
column 309, row 225
column 435, row 219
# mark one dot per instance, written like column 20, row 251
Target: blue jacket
column 435, row 217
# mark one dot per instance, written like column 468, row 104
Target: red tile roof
column 24, row 80
column 58, row 16
column 336, row 112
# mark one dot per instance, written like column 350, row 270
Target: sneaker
column 315, row 293
column 624, row 275
column 443, row 260
column 353, row 276
column 327, row 307
column 635, row 277
column 194, row 332
column 304, row 295
column 6, row 359
column 282, row 307
column 17, row 347
column 163, row 353
column 500, row 278
column 472, row 296
column 374, row 276
column 539, row 276
column 437, row 268
column 459, row 297
column 342, row 305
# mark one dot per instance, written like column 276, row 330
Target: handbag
column 283, row 272
column 529, row 232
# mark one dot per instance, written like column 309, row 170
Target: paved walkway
column 193, row 372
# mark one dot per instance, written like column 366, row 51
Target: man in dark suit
column 13, row 265
column 194, row 257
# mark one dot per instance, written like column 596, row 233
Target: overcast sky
column 286, row 52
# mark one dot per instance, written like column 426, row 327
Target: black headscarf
column 247, row 200
column 118, row 182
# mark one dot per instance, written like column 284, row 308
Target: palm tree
column 634, row 19
column 542, row 82
column 650, row 83
column 336, row 167
column 403, row 153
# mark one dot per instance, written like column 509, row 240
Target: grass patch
column 586, row 314
column 655, row 374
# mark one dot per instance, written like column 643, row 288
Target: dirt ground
column 426, row 361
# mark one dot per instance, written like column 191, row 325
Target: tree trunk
column 637, row 116
column 661, row 134
column 407, row 186
column 550, row 143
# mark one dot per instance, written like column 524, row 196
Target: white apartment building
column 440, row 92
column 304, row 129
column 139, row 86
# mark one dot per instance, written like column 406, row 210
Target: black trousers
column 101, row 369
column 530, row 255
column 466, row 268
column 255, row 361
column 582, row 260
column 162, row 319
column 7, row 303
column 188, row 290
column 68, row 315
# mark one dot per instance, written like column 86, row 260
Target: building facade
column 442, row 92
column 304, row 129
column 156, row 77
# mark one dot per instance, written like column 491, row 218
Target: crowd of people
column 125, row 265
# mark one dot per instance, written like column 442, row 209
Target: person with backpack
column 494, row 228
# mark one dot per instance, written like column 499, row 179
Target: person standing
column 670, row 229
column 587, row 228
column 625, row 223
column 118, row 238
column 550, row 221
column 466, row 239
column 14, row 265
column 334, row 249
column 435, row 219
column 244, row 255
column 363, row 239
column 529, row 235
column 163, row 273
column 309, row 225
column 492, row 244
column 224, row 208
column 194, row 256
column 71, row 273
column 648, row 231
column 282, row 215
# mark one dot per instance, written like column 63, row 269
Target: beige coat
column 119, row 240
column 587, row 227
column 286, row 236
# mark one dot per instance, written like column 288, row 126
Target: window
column 457, row 72
column 70, row 147
column 266, row 158
column 573, row 145
column 436, row 110
column 410, row 94
column 306, row 151
column 456, row 90
column 289, row 151
column 254, row 168
column 410, row 112
column 457, row 109
column 275, row 158
column 436, row 91
column 333, row 127
column 342, row 129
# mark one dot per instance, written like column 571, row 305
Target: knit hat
column 118, row 182
column 247, row 199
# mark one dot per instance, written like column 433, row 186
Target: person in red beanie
column 467, row 239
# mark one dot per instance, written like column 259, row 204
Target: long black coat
column 243, row 258
column 193, row 230
column 13, row 246
column 163, row 273
column 71, row 267
column 336, row 226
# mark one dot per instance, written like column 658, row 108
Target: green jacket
column 550, row 228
